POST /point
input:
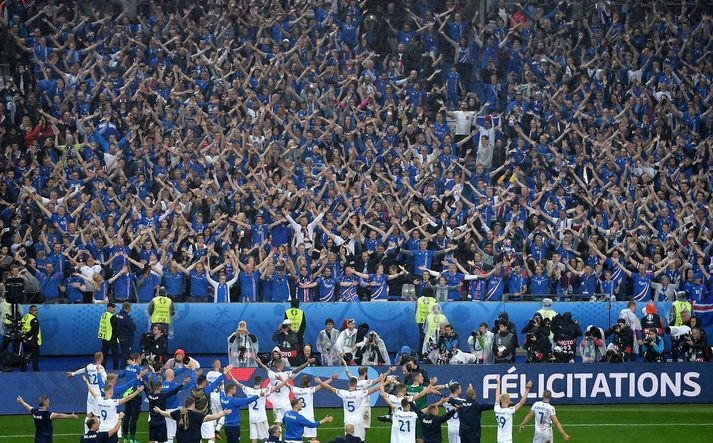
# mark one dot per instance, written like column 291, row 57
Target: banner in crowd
column 599, row 383
column 203, row 328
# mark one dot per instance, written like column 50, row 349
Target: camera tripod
column 13, row 337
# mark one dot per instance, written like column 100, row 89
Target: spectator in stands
column 129, row 140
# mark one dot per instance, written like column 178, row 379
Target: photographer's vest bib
column 7, row 311
column 296, row 316
column 26, row 326
column 161, row 310
column 105, row 329
column 423, row 308
column 679, row 306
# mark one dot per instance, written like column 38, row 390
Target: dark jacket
column 125, row 327
column 624, row 338
column 432, row 424
column 347, row 439
column 151, row 345
column 506, row 339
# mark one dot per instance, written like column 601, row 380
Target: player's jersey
column 106, row 408
column 93, row 375
column 212, row 376
column 306, row 397
column 352, row 405
column 403, row 426
column 395, row 401
column 256, row 409
column 543, row 413
column 280, row 399
column 503, row 417
column 365, row 385
column 453, row 422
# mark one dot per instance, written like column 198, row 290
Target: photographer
column 538, row 347
column 373, row 350
column 243, row 348
column 286, row 339
column 481, row 344
column 155, row 344
column 592, row 347
column 697, row 345
column 504, row 344
column 180, row 360
column 565, row 332
column 622, row 342
column 652, row 348
column 538, row 325
column 447, row 342
column 679, row 341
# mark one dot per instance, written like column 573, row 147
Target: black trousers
column 114, row 347
column 125, row 351
column 132, row 409
column 232, row 434
column 33, row 353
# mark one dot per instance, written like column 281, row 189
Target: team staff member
column 125, row 329
column 160, row 310
column 295, row 423
column 470, row 415
column 297, row 316
column 107, row 334
column 43, row 418
column 188, row 421
column 33, row 338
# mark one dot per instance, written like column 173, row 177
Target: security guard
column 680, row 305
column 160, row 310
column 423, row 308
column 33, row 338
column 125, row 329
column 296, row 316
column 107, row 334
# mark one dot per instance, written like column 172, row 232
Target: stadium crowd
column 337, row 151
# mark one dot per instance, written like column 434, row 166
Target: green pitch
column 590, row 424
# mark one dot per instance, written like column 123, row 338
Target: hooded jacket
column 432, row 327
column 373, row 350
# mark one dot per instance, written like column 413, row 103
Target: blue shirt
column 148, row 287
column 249, row 284
column 326, row 288
column 295, row 424
column 539, row 285
column 173, row 281
column 123, row 286
column 234, row 404
column 199, row 284
column 74, row 295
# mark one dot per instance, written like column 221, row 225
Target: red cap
column 180, row 352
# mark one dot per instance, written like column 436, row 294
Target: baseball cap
column 180, row 352
column 286, row 321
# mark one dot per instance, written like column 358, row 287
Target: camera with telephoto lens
column 476, row 333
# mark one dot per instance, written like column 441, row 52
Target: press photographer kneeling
column 652, row 348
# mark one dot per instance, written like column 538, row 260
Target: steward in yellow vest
column 160, row 311
column 296, row 316
column 33, row 338
column 107, row 335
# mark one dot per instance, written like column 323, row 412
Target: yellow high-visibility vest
column 105, row 329
column 423, row 308
column 679, row 306
column 296, row 316
column 26, row 326
column 161, row 310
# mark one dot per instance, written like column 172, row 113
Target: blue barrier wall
column 598, row 383
column 203, row 328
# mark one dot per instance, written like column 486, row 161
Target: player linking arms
column 544, row 414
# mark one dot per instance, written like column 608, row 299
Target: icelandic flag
column 704, row 311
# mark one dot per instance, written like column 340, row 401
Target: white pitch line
column 569, row 425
